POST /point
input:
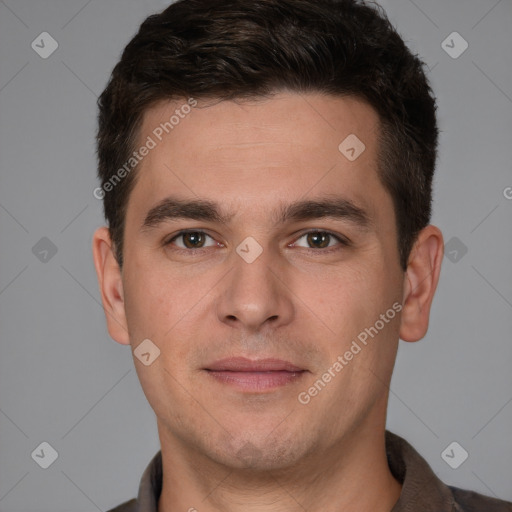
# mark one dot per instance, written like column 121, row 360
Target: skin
column 228, row 450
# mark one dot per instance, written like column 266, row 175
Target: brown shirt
column 422, row 491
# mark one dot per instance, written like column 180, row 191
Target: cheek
column 349, row 301
column 340, row 294
column 152, row 300
column 171, row 309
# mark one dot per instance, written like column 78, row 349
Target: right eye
column 190, row 240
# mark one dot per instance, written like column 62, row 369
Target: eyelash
column 344, row 242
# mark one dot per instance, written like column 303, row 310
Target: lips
column 242, row 364
column 254, row 375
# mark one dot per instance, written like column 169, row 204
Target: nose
column 255, row 295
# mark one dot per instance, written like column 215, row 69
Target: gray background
column 64, row 381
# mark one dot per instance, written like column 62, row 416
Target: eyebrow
column 172, row 208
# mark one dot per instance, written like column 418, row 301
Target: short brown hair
column 229, row 49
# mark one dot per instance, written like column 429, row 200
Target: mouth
column 254, row 375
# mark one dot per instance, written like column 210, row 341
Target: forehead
column 260, row 150
column 304, row 119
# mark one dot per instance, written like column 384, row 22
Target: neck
column 352, row 475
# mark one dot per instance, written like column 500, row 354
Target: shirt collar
column 421, row 489
column 150, row 486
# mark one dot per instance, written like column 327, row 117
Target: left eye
column 320, row 239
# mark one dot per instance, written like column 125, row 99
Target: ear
column 420, row 283
column 111, row 285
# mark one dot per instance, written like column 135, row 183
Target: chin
column 261, row 453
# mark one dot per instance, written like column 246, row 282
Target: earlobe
column 421, row 278
column 111, row 285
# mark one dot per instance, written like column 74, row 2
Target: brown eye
column 318, row 240
column 190, row 240
column 193, row 240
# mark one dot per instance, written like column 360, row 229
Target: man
column 266, row 171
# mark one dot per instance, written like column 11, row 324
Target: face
column 260, row 308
